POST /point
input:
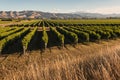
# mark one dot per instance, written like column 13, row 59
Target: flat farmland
column 60, row 50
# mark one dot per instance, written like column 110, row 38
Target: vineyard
column 48, row 33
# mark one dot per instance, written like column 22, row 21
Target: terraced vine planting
column 64, row 32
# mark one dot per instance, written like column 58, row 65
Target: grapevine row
column 60, row 37
column 5, row 34
column 44, row 38
column 27, row 39
column 10, row 39
column 71, row 36
column 83, row 36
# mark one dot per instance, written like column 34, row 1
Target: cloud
column 107, row 10
column 102, row 10
column 55, row 10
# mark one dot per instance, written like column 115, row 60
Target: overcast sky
column 62, row 6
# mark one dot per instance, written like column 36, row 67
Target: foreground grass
column 83, row 62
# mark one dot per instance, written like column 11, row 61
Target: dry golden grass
column 83, row 62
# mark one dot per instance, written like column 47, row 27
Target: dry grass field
column 92, row 61
column 60, row 40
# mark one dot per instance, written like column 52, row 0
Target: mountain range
column 48, row 15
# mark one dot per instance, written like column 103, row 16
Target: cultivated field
column 60, row 50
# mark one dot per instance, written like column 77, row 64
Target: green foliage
column 93, row 35
column 117, row 32
column 83, row 36
column 74, row 31
column 6, row 29
column 27, row 39
column 10, row 39
column 103, row 34
column 60, row 37
column 7, row 33
column 87, row 22
column 44, row 37
column 42, row 24
column 113, row 35
column 72, row 36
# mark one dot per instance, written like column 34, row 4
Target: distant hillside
column 47, row 15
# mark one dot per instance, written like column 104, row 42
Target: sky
column 62, row 6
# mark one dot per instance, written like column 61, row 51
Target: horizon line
column 73, row 12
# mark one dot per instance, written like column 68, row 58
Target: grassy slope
column 92, row 62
